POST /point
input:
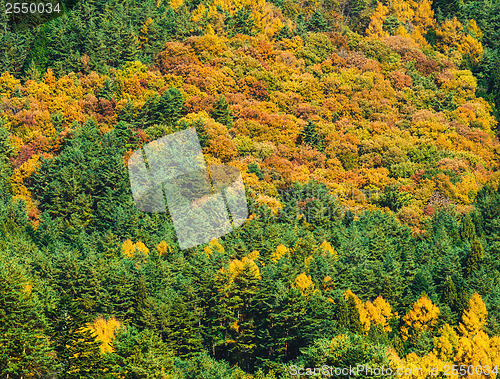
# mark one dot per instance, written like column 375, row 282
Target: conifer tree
column 317, row 22
column 241, row 23
column 310, row 136
column 221, row 112
column 467, row 228
column 450, row 293
column 76, row 347
column 24, row 344
column 474, row 257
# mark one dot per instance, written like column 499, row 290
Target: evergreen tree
column 107, row 91
column 301, row 24
column 349, row 315
column 24, row 345
column 221, row 112
column 284, row 33
column 166, row 109
column 310, row 136
column 467, row 229
column 76, row 348
column 474, row 257
column 450, row 293
column 317, row 22
column 241, row 23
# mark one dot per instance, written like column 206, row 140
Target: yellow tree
column 364, row 317
column 247, row 265
column 450, row 33
column 474, row 317
column 130, row 249
column 422, row 317
column 213, row 246
column 402, row 10
column 104, row 331
column 471, row 46
column 474, row 30
column 445, row 345
column 424, row 16
column 304, row 283
column 164, row 248
column 478, row 351
column 375, row 28
column 281, row 250
column 380, row 312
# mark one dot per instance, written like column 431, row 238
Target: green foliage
column 310, row 136
column 317, row 23
column 165, row 109
column 253, row 168
column 241, row 23
column 222, row 113
column 24, row 343
column 391, row 24
column 317, row 48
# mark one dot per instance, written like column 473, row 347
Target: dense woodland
column 366, row 133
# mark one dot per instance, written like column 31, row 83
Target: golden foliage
column 213, row 246
column 373, row 313
column 164, row 248
column 104, row 331
column 452, row 36
column 474, row 317
column 237, row 267
column 304, row 283
column 380, row 312
column 329, row 249
column 422, row 317
column 280, row 252
column 8, row 84
column 129, row 249
column 446, row 343
column 377, row 20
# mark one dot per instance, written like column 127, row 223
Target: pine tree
column 107, row 91
column 310, row 136
column 241, row 23
column 169, row 108
column 349, row 315
column 77, row 350
column 284, row 33
column 24, row 344
column 450, row 293
column 474, row 257
column 467, row 228
column 301, row 24
column 317, row 22
column 221, row 112
column 124, row 133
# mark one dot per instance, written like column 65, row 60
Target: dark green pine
column 221, row 112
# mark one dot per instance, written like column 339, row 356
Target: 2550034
column 25, row 8
column 469, row 370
